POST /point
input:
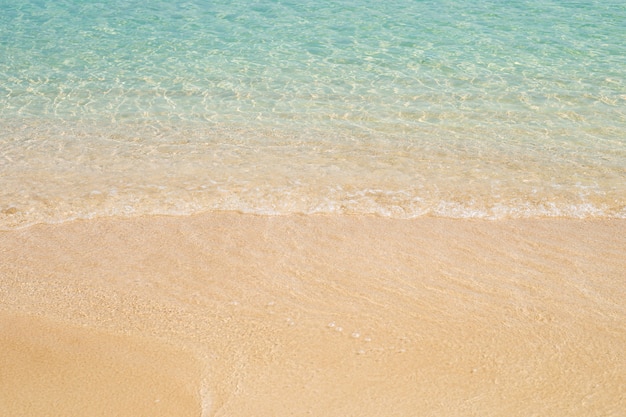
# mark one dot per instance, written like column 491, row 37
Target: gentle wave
column 402, row 109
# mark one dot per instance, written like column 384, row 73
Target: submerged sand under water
column 236, row 315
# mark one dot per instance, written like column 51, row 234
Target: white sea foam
column 206, row 402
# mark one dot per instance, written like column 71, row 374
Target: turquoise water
column 397, row 108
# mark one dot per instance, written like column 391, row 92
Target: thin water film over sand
column 333, row 315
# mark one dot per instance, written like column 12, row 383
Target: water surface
column 402, row 109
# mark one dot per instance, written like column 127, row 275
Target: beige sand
column 316, row 315
column 53, row 370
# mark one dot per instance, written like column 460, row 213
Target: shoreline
column 339, row 315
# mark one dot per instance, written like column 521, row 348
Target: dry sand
column 60, row 370
column 237, row 315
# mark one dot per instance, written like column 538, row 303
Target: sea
column 486, row 109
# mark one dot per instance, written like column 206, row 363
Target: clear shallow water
column 403, row 109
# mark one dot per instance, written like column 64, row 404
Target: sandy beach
column 225, row 314
column 312, row 208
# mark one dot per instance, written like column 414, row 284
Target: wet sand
column 228, row 314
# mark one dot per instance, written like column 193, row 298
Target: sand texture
column 53, row 370
column 225, row 314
